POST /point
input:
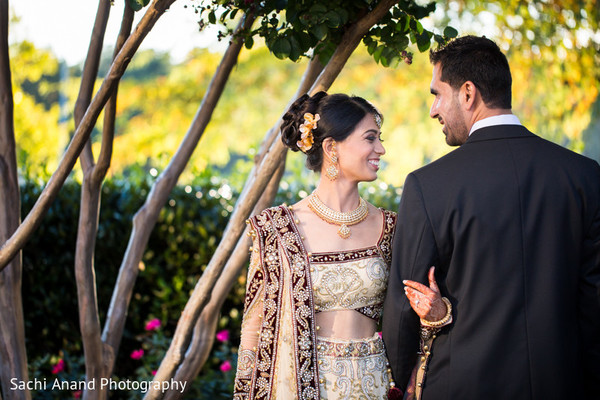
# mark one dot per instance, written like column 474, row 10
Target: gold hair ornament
column 306, row 138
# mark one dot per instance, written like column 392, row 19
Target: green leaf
column 423, row 41
column 137, row 5
column 296, row 48
column 343, row 15
column 325, row 51
column 402, row 42
column 318, row 9
column 212, row 18
column 281, row 47
column 320, row 31
column 405, row 23
column 419, row 27
column 332, row 19
column 439, row 39
column 450, row 32
column 223, row 16
column 305, row 40
column 249, row 42
column 377, row 53
column 371, row 47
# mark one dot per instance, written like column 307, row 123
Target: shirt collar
column 503, row 119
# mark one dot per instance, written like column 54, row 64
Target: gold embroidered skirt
column 353, row 369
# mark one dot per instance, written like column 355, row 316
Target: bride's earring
column 332, row 171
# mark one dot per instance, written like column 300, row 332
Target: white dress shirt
column 504, row 119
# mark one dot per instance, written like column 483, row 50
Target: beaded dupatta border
column 279, row 239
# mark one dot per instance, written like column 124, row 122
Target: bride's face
column 359, row 154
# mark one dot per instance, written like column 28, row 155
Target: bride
column 319, row 269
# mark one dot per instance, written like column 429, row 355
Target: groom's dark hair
column 479, row 60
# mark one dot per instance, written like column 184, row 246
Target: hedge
column 189, row 228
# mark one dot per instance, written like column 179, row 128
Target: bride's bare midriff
column 344, row 324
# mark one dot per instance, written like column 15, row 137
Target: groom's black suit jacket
column 512, row 224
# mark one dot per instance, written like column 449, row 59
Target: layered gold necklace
column 342, row 219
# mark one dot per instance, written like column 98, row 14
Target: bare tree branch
column 16, row 242
column 97, row 356
column 245, row 204
column 204, row 331
column 145, row 219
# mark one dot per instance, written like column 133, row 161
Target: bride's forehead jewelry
column 377, row 118
column 306, row 138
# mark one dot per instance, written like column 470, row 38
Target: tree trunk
column 97, row 356
column 204, row 331
column 245, row 204
column 145, row 218
column 13, row 356
column 16, row 242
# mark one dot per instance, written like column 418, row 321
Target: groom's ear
column 468, row 93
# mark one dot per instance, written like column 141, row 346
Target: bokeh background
column 553, row 47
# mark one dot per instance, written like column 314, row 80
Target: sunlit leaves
column 556, row 44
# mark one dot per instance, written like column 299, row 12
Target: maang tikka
column 332, row 171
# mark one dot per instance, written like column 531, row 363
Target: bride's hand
column 426, row 301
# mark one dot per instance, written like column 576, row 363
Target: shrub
column 188, row 230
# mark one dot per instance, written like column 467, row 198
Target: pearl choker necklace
column 343, row 219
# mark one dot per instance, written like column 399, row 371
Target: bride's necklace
column 343, row 219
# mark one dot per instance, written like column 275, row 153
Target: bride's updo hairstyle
column 339, row 114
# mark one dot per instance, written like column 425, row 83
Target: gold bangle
column 442, row 322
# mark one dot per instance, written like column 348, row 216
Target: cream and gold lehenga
column 281, row 355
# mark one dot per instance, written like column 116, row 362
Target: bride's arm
column 252, row 319
column 435, row 312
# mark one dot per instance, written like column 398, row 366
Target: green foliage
column 181, row 245
column 295, row 29
column 146, row 65
column 554, row 50
column 186, row 235
column 39, row 116
column 553, row 95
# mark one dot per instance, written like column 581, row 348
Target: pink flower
column 154, row 373
column 226, row 366
column 77, row 394
column 137, row 354
column 380, row 334
column 153, row 324
column 58, row 367
column 223, row 336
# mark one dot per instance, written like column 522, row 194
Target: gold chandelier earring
column 332, row 171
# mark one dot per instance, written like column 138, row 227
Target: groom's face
column 447, row 110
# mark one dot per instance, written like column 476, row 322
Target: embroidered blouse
column 354, row 279
column 277, row 357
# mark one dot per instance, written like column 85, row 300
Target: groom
column 512, row 224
